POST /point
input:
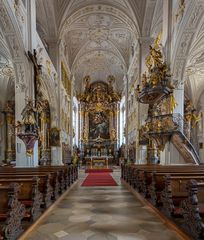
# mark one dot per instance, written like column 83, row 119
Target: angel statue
column 157, row 41
column 172, row 103
column 195, row 118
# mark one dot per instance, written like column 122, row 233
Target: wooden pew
column 165, row 187
column 193, row 209
column 11, row 212
column 142, row 175
column 54, row 179
column 29, row 195
column 175, row 192
column 61, row 176
column 157, row 184
column 44, row 185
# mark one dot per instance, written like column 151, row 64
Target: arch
column 13, row 37
column 186, row 31
column 96, row 8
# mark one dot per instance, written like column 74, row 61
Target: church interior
column 101, row 119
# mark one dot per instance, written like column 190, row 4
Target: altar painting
column 98, row 125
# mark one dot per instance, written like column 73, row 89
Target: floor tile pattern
column 102, row 213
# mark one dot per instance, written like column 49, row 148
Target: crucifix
column 37, row 72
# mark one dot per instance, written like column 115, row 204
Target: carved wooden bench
column 44, row 185
column 157, row 184
column 29, row 195
column 175, row 192
column 55, row 177
column 11, row 212
column 193, row 209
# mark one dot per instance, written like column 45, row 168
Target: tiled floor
column 101, row 213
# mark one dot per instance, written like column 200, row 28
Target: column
column 45, row 129
column 54, row 50
column 144, row 43
column 10, row 143
column 21, row 95
column 126, row 116
column 56, row 151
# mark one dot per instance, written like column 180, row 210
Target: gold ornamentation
column 48, row 64
column 65, row 79
column 172, row 103
column 157, row 69
column 144, row 80
column 181, row 10
column 195, row 119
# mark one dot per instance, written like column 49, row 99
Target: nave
column 92, row 84
column 101, row 213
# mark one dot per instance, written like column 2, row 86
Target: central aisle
column 101, row 213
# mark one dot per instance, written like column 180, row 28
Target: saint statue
column 29, row 117
column 85, row 135
column 87, row 83
column 113, row 134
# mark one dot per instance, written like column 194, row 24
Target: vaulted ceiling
column 99, row 44
column 195, row 66
column 99, row 35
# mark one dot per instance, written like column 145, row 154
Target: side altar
column 99, row 110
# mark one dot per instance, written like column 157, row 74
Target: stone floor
column 101, row 213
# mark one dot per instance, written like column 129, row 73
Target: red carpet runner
column 99, row 179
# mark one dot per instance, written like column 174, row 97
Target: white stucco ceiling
column 99, row 45
column 195, row 66
column 98, row 35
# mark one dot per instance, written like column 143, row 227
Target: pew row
column 171, row 189
column 12, row 212
column 38, row 188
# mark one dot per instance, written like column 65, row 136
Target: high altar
column 99, row 116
